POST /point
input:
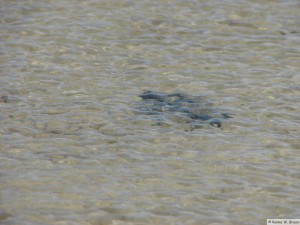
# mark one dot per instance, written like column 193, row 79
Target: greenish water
column 74, row 151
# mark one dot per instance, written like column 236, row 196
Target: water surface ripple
column 73, row 150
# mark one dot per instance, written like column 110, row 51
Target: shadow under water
column 180, row 108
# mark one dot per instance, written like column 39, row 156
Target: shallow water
column 73, row 150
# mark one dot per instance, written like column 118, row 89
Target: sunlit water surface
column 73, row 148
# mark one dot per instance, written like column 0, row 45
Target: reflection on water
column 74, row 150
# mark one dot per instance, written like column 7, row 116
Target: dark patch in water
column 180, row 108
column 4, row 98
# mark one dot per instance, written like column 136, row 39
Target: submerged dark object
column 4, row 98
column 181, row 108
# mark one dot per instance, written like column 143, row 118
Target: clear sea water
column 74, row 151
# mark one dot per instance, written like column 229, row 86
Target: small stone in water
column 215, row 123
